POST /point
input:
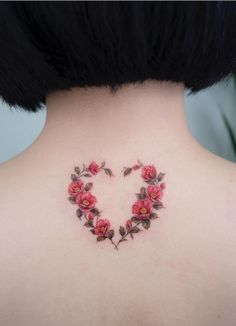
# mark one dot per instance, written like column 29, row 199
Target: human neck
column 139, row 121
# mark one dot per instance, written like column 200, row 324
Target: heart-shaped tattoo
column 144, row 210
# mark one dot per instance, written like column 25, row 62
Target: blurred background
column 211, row 116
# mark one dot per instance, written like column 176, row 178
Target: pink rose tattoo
column 128, row 224
column 93, row 168
column 102, row 227
column 86, row 201
column 149, row 172
column 91, row 216
column 75, row 187
column 154, row 193
column 144, row 209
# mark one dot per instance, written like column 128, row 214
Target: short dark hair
column 48, row 46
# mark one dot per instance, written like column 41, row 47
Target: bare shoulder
column 10, row 178
column 222, row 206
column 6, row 180
column 16, row 181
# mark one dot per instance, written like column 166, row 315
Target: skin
column 179, row 272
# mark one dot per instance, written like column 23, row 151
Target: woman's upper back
column 179, row 271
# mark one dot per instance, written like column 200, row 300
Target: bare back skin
column 181, row 271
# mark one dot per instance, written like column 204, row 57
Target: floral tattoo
column 144, row 210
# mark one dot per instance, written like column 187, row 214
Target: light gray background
column 18, row 130
column 204, row 111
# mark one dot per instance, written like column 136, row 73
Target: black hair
column 49, row 46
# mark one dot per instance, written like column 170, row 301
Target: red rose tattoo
column 94, row 168
column 86, row 201
column 144, row 209
column 75, row 187
column 149, row 172
column 154, row 193
column 102, row 227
